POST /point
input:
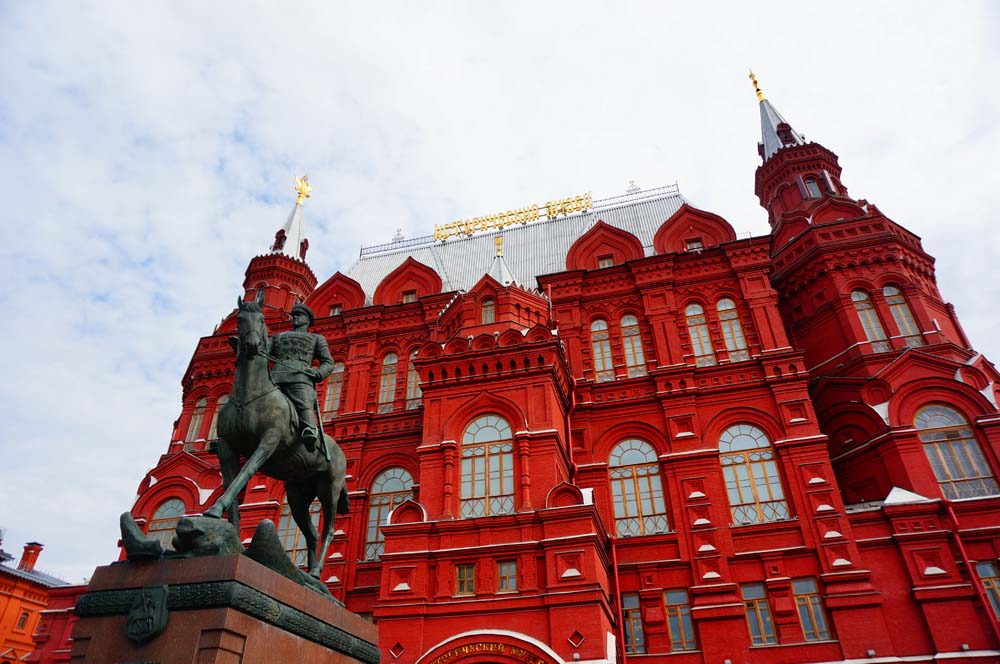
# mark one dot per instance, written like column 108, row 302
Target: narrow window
column 465, row 579
column 809, row 604
column 291, row 537
column 507, row 576
column 990, row 578
column 197, row 417
column 489, row 311
column 751, row 474
column 605, row 261
column 679, row 620
column 635, row 640
column 903, row 316
column 954, row 453
column 387, row 383
column 409, row 296
column 732, row 331
column 213, row 431
column 22, row 621
column 600, row 341
column 869, row 321
column 487, row 468
column 164, row 521
column 812, row 187
column 758, row 614
column 334, row 389
column 637, row 489
column 694, row 244
column 336, row 309
column 701, row 343
column 390, row 488
column 632, row 342
column 413, row 393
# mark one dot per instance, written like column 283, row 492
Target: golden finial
column 303, row 187
column 498, row 241
column 760, row 95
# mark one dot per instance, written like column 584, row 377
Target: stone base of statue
column 213, row 609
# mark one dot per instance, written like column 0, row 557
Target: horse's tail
column 343, row 502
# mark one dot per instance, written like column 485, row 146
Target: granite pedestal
column 219, row 609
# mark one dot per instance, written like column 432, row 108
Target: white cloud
column 146, row 153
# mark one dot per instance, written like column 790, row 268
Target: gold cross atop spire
column 303, row 188
column 760, row 95
column 498, row 241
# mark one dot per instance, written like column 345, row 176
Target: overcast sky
column 147, row 153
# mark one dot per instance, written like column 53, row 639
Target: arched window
column 22, row 621
column 489, row 311
column 600, row 341
column 197, row 417
column 954, row 453
column 413, row 393
column 164, row 521
column 701, row 343
column 903, row 316
column 291, row 537
column 732, row 331
column 869, row 321
column 752, row 483
column 387, row 383
column 812, row 188
column 637, row 489
column 213, row 431
column 389, row 489
column 635, row 360
column 487, row 467
column 334, row 390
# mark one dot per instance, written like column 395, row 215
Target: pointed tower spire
column 499, row 269
column 775, row 131
column 290, row 240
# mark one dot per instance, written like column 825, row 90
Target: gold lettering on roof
column 500, row 220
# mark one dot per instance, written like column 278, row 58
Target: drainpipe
column 973, row 576
column 569, row 429
column 623, row 657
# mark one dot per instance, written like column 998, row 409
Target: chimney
column 30, row 556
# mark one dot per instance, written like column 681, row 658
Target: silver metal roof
column 770, row 118
column 529, row 250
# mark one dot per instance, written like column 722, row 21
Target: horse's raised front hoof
column 215, row 512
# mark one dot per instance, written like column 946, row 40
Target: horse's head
column 250, row 324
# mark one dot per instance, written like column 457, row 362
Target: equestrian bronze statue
column 276, row 430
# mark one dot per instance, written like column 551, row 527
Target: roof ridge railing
column 598, row 205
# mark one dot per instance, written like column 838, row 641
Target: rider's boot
column 309, row 436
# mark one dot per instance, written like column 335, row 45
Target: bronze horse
column 259, row 423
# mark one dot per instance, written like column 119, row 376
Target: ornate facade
column 628, row 434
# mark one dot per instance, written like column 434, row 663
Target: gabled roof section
column 690, row 223
column 411, row 275
column 338, row 289
column 530, row 249
column 603, row 240
column 41, row 578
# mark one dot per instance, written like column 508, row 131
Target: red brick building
column 608, row 430
column 25, row 592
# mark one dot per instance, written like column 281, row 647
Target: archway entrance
column 491, row 648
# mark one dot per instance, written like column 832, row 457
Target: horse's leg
column 329, row 486
column 268, row 443
column 229, row 464
column 300, row 497
column 325, row 485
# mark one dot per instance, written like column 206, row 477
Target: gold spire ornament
column 498, row 241
column 303, row 188
column 760, row 95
